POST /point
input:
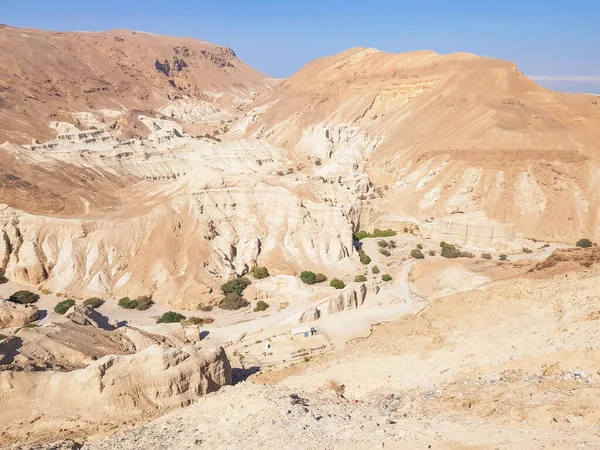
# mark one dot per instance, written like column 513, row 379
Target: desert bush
column 486, row 256
column 375, row 270
column 431, row 252
column 417, row 254
column 392, row 244
column 466, row 255
column 449, row 251
column 375, row 234
column 308, row 277
column 46, row 291
column 527, row 250
column 236, row 285
column 261, row 306
column 24, row 297
column 206, row 308
column 127, row 303
column 384, row 252
column 171, row 317
column 386, row 277
column 338, row 284
column 233, row 301
column 317, row 162
column 545, row 245
column 382, row 243
column 502, row 257
column 364, row 258
column 420, row 246
column 259, row 272
column 94, row 302
column 193, row 321
column 63, row 307
column 360, row 279
column 321, row 277
column 584, row 243
column 144, row 302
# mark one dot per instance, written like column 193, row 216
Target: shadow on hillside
column 238, row 375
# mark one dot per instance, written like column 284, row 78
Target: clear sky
column 545, row 38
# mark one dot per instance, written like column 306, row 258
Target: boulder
column 16, row 315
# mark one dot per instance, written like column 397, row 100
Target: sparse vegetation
column 486, row 256
column 63, row 307
column 360, row 279
column 259, row 272
column 46, row 291
column 364, row 258
column 261, row 306
column 317, row 162
column 502, row 257
column 417, row 254
column 382, row 243
column 171, row 317
column 420, row 246
column 584, row 243
column 236, row 285
column 142, row 303
column 193, row 321
column 386, row 277
column 527, row 250
column 449, row 250
column 321, row 277
column 93, row 302
column 127, row 303
column 233, row 301
column 338, row 284
column 375, row 270
column 308, row 277
column 392, row 244
column 24, row 297
column 384, row 252
column 431, row 252
column 375, row 234
column 466, row 255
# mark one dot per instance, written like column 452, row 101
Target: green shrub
column 417, row 254
column 375, row 270
column 259, row 272
column 486, row 256
column 338, row 284
column 502, row 257
column 527, row 250
column 63, row 307
column 127, row 303
column 375, row 234
column 360, row 279
column 420, row 246
column 584, row 243
column 94, row 302
column 308, row 277
column 144, row 302
column 233, row 301
column 261, row 306
column 171, row 317
column 24, row 297
column 384, row 252
column 236, row 285
column 449, row 251
column 321, row 277
column 364, row 258
column 386, row 277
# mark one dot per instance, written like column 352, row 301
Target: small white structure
column 302, row 332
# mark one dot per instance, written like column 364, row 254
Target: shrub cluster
column 308, row 277
column 386, row 277
column 360, row 279
column 449, row 250
column 375, row 270
column 93, row 302
column 584, row 243
column 375, row 234
column 24, row 297
column 417, row 254
column 236, row 285
column 338, row 284
column 466, row 255
column 171, row 317
column 364, row 258
column 63, row 307
column 259, row 272
column 233, row 301
column 384, row 252
column 261, row 306
column 142, row 303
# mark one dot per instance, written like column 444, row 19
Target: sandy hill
column 445, row 133
column 45, row 76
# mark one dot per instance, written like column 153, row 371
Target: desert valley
column 380, row 251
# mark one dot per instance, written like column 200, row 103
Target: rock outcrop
column 16, row 315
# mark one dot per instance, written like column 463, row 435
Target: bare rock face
column 346, row 300
column 16, row 315
column 86, row 315
column 310, row 315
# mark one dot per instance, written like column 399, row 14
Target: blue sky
column 549, row 38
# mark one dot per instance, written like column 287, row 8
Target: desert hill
column 46, row 76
